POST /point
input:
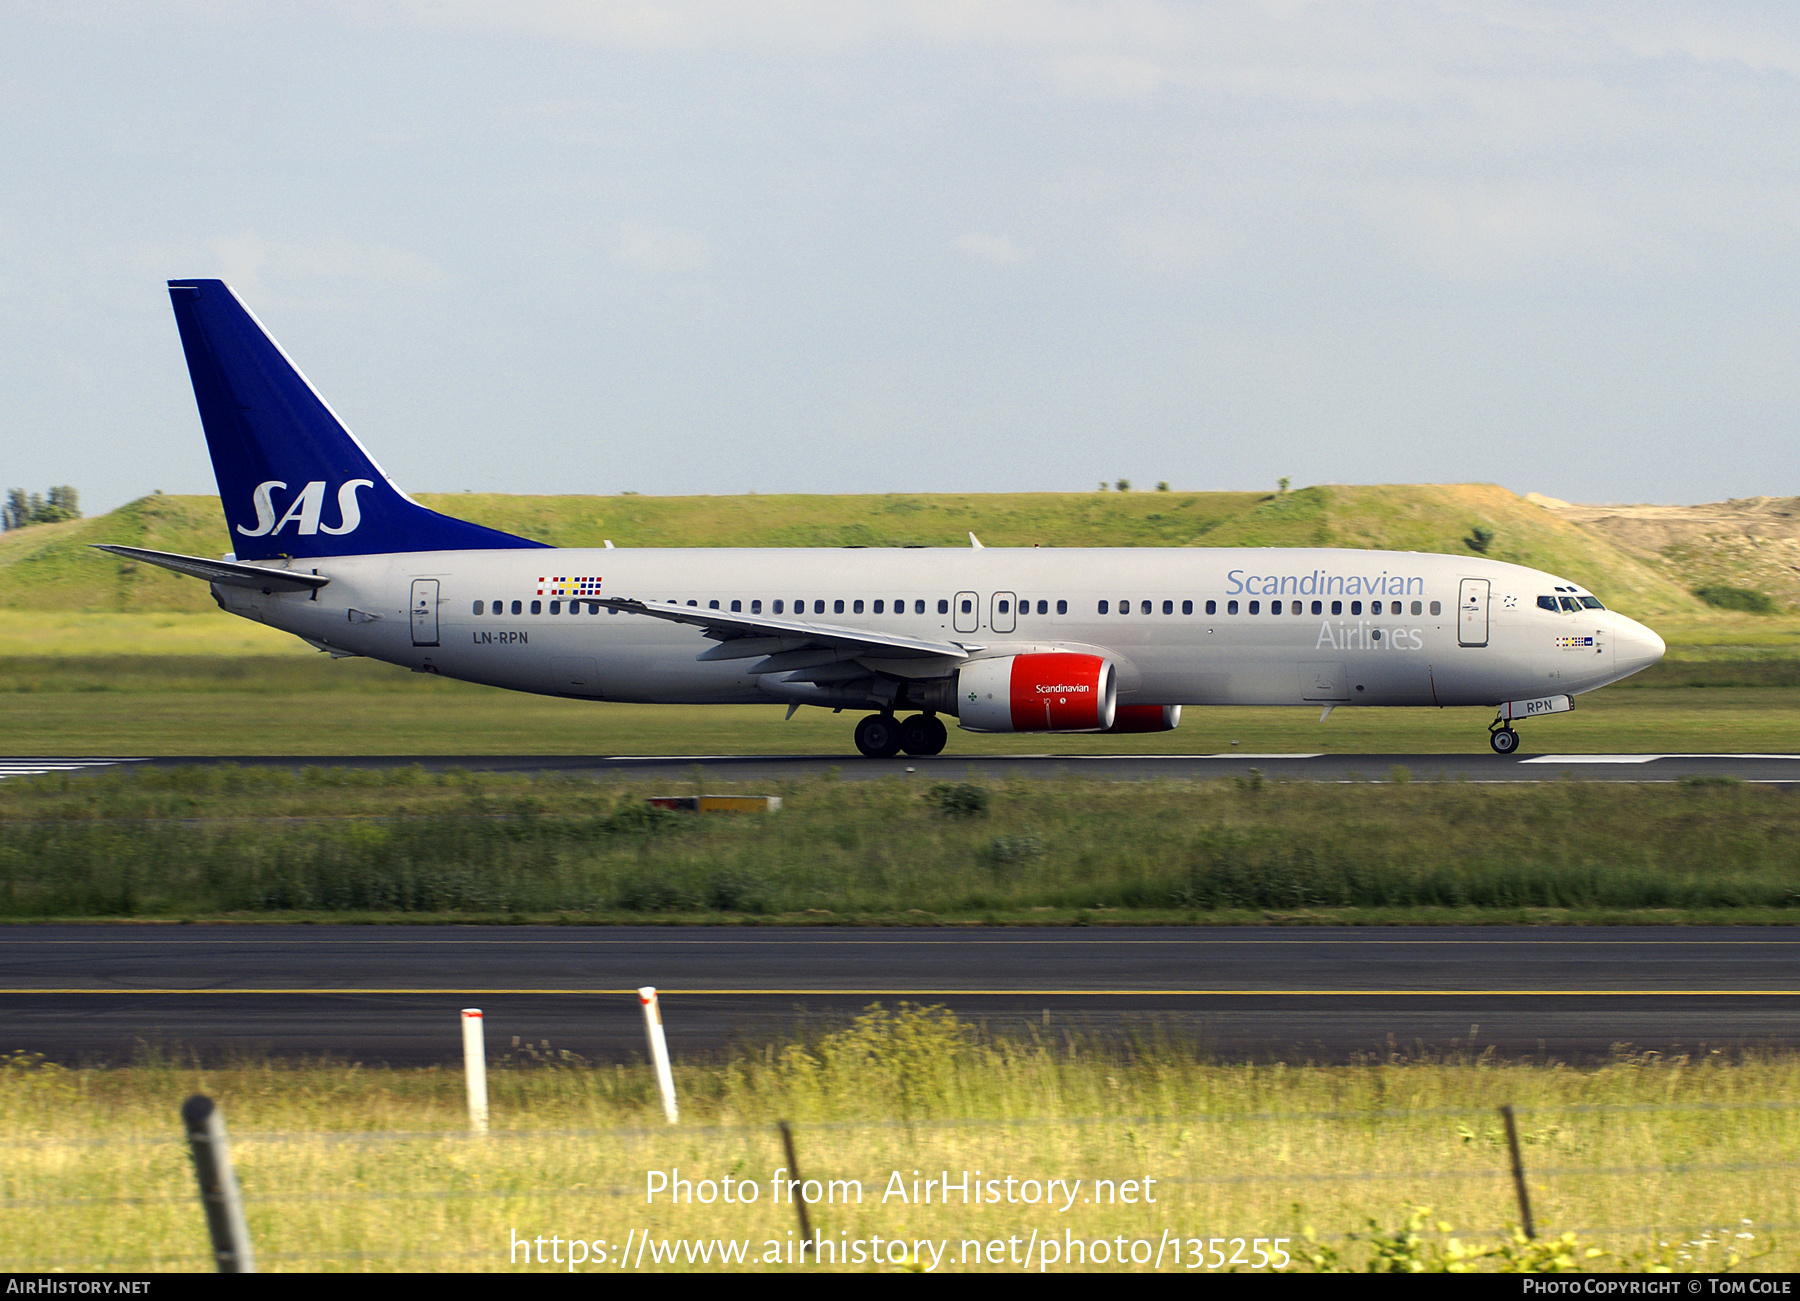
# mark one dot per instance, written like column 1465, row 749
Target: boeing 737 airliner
column 1003, row 640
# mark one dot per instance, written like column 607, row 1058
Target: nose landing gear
column 1502, row 737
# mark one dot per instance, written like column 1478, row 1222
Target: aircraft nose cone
column 1635, row 646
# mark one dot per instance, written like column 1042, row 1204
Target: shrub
column 1745, row 599
column 964, row 800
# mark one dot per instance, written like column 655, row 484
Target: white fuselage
column 1403, row 631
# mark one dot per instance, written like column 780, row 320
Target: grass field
column 308, row 705
column 1650, row 1163
column 274, row 845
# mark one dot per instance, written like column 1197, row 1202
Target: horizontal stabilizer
column 229, row 572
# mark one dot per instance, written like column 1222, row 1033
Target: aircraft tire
column 878, row 736
column 923, row 734
column 1504, row 740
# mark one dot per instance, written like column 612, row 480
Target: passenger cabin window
column 1356, row 607
column 1187, row 607
column 1062, row 607
column 968, row 607
column 1297, row 609
column 478, row 606
column 1003, row 607
column 775, row 606
column 756, row 607
column 837, row 606
column 1437, row 607
column 1337, row 607
column 711, row 605
column 1418, row 607
column 1212, row 607
column 1105, row 607
column 1125, row 607
column 878, row 607
column 1044, row 607
column 518, row 607
column 819, row 607
column 737, row 607
column 943, row 606
column 1274, row 607
column 1318, row 607
column 1231, row 607
column 556, row 607
column 1256, row 607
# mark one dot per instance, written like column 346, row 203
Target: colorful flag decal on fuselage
column 569, row 586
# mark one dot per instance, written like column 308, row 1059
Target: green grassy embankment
column 116, row 657
column 402, row 844
column 52, row 567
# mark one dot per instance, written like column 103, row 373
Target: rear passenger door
column 425, row 612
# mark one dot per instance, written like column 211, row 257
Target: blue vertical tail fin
column 294, row 481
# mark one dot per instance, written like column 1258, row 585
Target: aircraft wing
column 230, row 572
column 788, row 644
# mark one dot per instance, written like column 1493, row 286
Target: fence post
column 1518, row 1170
column 796, row 1181
column 475, row 1068
column 659, row 1050
column 219, row 1194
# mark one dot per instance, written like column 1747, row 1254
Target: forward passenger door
column 1472, row 613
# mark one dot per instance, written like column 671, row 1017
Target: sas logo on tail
column 305, row 509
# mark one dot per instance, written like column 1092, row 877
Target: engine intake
column 1037, row 693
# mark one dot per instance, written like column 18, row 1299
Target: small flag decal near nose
column 559, row 586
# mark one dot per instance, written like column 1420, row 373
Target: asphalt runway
column 393, row 994
column 1484, row 767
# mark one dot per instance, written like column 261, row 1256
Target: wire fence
column 1703, row 1183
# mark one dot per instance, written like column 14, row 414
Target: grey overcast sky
column 714, row 246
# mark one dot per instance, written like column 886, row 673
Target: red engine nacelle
column 1037, row 693
column 1146, row 718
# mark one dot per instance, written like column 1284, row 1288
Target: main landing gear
column 1502, row 737
column 882, row 736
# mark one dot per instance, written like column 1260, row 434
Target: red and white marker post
column 659, row 1050
column 475, row 1068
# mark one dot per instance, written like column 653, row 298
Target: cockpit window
column 1570, row 604
column 1547, row 603
column 1589, row 603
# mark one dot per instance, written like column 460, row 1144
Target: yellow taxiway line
column 928, row 993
